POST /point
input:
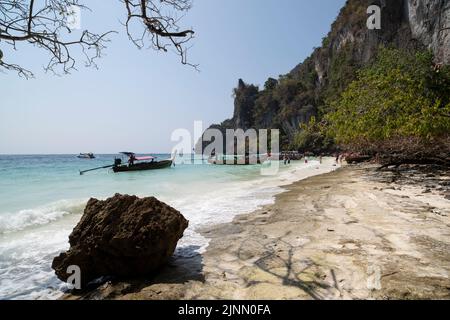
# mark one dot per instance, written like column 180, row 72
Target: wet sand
column 348, row 234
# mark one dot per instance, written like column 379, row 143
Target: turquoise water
column 42, row 198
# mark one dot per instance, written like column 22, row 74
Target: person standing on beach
column 320, row 159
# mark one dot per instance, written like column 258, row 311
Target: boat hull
column 143, row 166
column 86, row 156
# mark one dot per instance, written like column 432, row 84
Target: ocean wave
column 23, row 219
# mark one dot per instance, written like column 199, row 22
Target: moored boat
column 89, row 155
column 141, row 166
column 135, row 164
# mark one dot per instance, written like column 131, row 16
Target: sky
column 137, row 98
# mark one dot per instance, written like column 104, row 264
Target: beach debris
column 123, row 236
column 438, row 212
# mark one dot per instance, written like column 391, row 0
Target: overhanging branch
column 44, row 24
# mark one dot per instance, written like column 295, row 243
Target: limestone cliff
column 293, row 98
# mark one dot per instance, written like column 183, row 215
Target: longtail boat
column 141, row 166
column 136, row 164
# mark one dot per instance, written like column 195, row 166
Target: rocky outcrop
column 123, row 236
column 350, row 45
column 244, row 103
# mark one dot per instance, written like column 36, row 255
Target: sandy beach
column 350, row 234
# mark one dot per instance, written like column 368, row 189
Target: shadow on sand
column 185, row 265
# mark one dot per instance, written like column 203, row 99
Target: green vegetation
column 401, row 95
column 311, row 138
column 397, row 106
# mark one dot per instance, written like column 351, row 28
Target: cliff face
column 244, row 102
column 296, row 97
column 429, row 22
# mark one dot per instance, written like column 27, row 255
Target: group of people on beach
column 287, row 159
column 340, row 157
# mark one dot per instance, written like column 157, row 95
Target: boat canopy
column 145, row 158
column 130, row 154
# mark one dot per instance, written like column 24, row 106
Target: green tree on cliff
column 401, row 95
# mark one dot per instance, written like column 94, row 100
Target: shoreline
column 338, row 235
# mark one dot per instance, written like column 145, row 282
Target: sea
column 42, row 198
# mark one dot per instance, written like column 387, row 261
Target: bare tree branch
column 45, row 25
column 161, row 25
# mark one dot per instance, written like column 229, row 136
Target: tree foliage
column 400, row 95
column 312, row 137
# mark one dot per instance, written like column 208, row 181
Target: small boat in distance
column 89, row 155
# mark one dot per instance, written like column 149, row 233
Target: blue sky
column 137, row 98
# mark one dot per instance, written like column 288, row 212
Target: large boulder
column 123, row 236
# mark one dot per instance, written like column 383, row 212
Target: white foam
column 26, row 257
column 12, row 222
